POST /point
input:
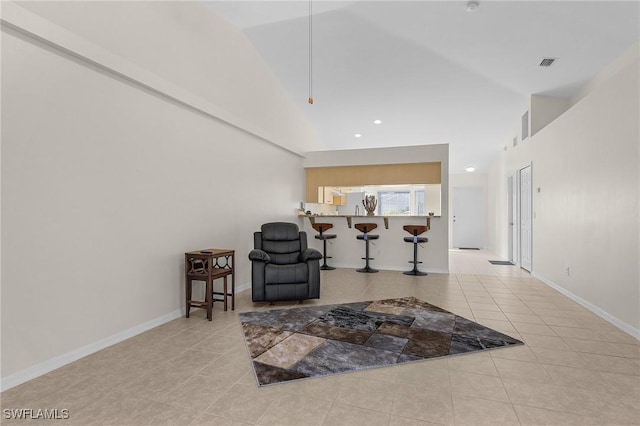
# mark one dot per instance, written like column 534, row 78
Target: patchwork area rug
column 296, row 343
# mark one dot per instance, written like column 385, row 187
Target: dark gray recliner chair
column 282, row 266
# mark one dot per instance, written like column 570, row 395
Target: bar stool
column 365, row 228
column 415, row 230
column 321, row 227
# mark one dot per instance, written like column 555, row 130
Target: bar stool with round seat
column 365, row 228
column 321, row 228
column 415, row 230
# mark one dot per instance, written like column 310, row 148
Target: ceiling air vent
column 547, row 62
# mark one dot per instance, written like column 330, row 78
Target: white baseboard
column 602, row 314
column 243, row 287
column 62, row 360
column 45, row 367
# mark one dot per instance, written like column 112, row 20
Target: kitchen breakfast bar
column 390, row 250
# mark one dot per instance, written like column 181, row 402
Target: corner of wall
column 545, row 109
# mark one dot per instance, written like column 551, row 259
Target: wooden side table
column 209, row 265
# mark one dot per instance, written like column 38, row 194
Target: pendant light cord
column 310, row 52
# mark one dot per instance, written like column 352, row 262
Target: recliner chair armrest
column 259, row 256
column 310, row 254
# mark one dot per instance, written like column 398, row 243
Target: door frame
column 518, row 211
column 513, row 254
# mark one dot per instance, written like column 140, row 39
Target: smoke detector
column 472, row 6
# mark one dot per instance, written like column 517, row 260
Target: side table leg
column 187, row 289
column 224, row 290
column 209, row 299
column 233, row 282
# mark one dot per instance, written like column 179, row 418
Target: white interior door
column 468, row 207
column 525, row 218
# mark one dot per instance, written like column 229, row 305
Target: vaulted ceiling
column 431, row 71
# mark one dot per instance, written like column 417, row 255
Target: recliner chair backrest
column 282, row 241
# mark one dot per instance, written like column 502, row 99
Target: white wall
column 497, row 210
column 107, row 179
column 543, row 110
column 586, row 165
column 185, row 44
column 390, row 251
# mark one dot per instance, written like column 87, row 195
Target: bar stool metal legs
column 415, row 230
column 321, row 227
column 365, row 228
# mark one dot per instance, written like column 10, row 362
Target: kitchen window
column 405, row 200
column 393, row 200
column 394, row 203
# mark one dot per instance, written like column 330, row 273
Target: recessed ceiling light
column 377, row 121
column 470, row 168
column 357, row 135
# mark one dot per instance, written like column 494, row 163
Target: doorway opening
column 468, row 217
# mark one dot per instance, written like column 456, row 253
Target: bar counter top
column 349, row 218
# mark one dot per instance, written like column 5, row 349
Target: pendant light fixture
column 310, row 52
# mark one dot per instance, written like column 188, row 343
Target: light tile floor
column 575, row 368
